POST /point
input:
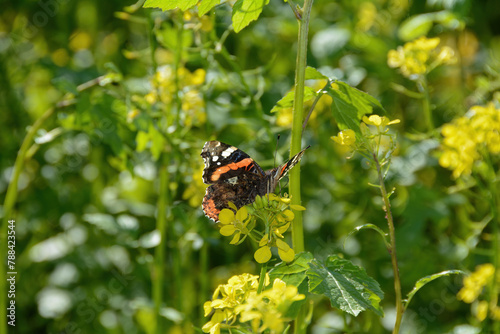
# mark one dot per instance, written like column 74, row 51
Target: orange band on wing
column 283, row 169
column 234, row 166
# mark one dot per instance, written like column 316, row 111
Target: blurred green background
column 127, row 149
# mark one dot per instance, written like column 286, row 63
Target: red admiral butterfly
column 236, row 177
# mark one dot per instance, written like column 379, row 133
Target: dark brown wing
column 242, row 193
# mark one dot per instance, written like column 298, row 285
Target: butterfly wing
column 219, row 194
column 224, row 162
column 283, row 169
column 234, row 177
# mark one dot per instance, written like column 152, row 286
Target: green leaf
column 415, row 26
column 246, row 11
column 287, row 100
column 369, row 226
column 424, row 280
column 312, row 73
column 206, row 5
column 142, row 140
column 167, row 37
column 421, row 24
column 350, row 105
column 347, row 286
column 170, row 4
column 294, row 272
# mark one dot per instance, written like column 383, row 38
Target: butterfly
column 234, row 176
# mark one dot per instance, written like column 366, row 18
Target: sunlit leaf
column 350, row 105
column 347, row 286
column 287, row 100
column 170, row 4
column 206, row 5
column 246, row 11
column 312, row 73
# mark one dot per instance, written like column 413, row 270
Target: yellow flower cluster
column 166, row 84
column 474, row 285
column 238, row 302
column 466, row 137
column 420, row 57
column 266, row 310
column 475, row 282
column 275, row 211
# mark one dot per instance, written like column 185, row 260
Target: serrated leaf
column 347, row 286
column 312, row 74
column 287, row 100
column 246, row 11
column 206, row 5
column 424, row 280
column 350, row 105
column 170, row 4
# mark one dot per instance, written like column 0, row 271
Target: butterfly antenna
column 275, row 152
column 276, row 149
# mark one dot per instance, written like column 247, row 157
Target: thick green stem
column 298, row 116
column 303, row 17
column 392, row 250
column 159, row 261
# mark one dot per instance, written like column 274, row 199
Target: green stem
column 392, row 250
column 298, row 116
column 495, row 245
column 424, row 89
column 159, row 260
column 262, row 278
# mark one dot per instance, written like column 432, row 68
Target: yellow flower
column 420, row 57
column 379, row 121
column 482, row 310
column 227, row 297
column 345, row 138
column 235, row 224
column 266, row 311
column 464, row 138
column 475, row 282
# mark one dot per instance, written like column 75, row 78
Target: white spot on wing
column 232, row 180
column 227, row 152
column 215, row 158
